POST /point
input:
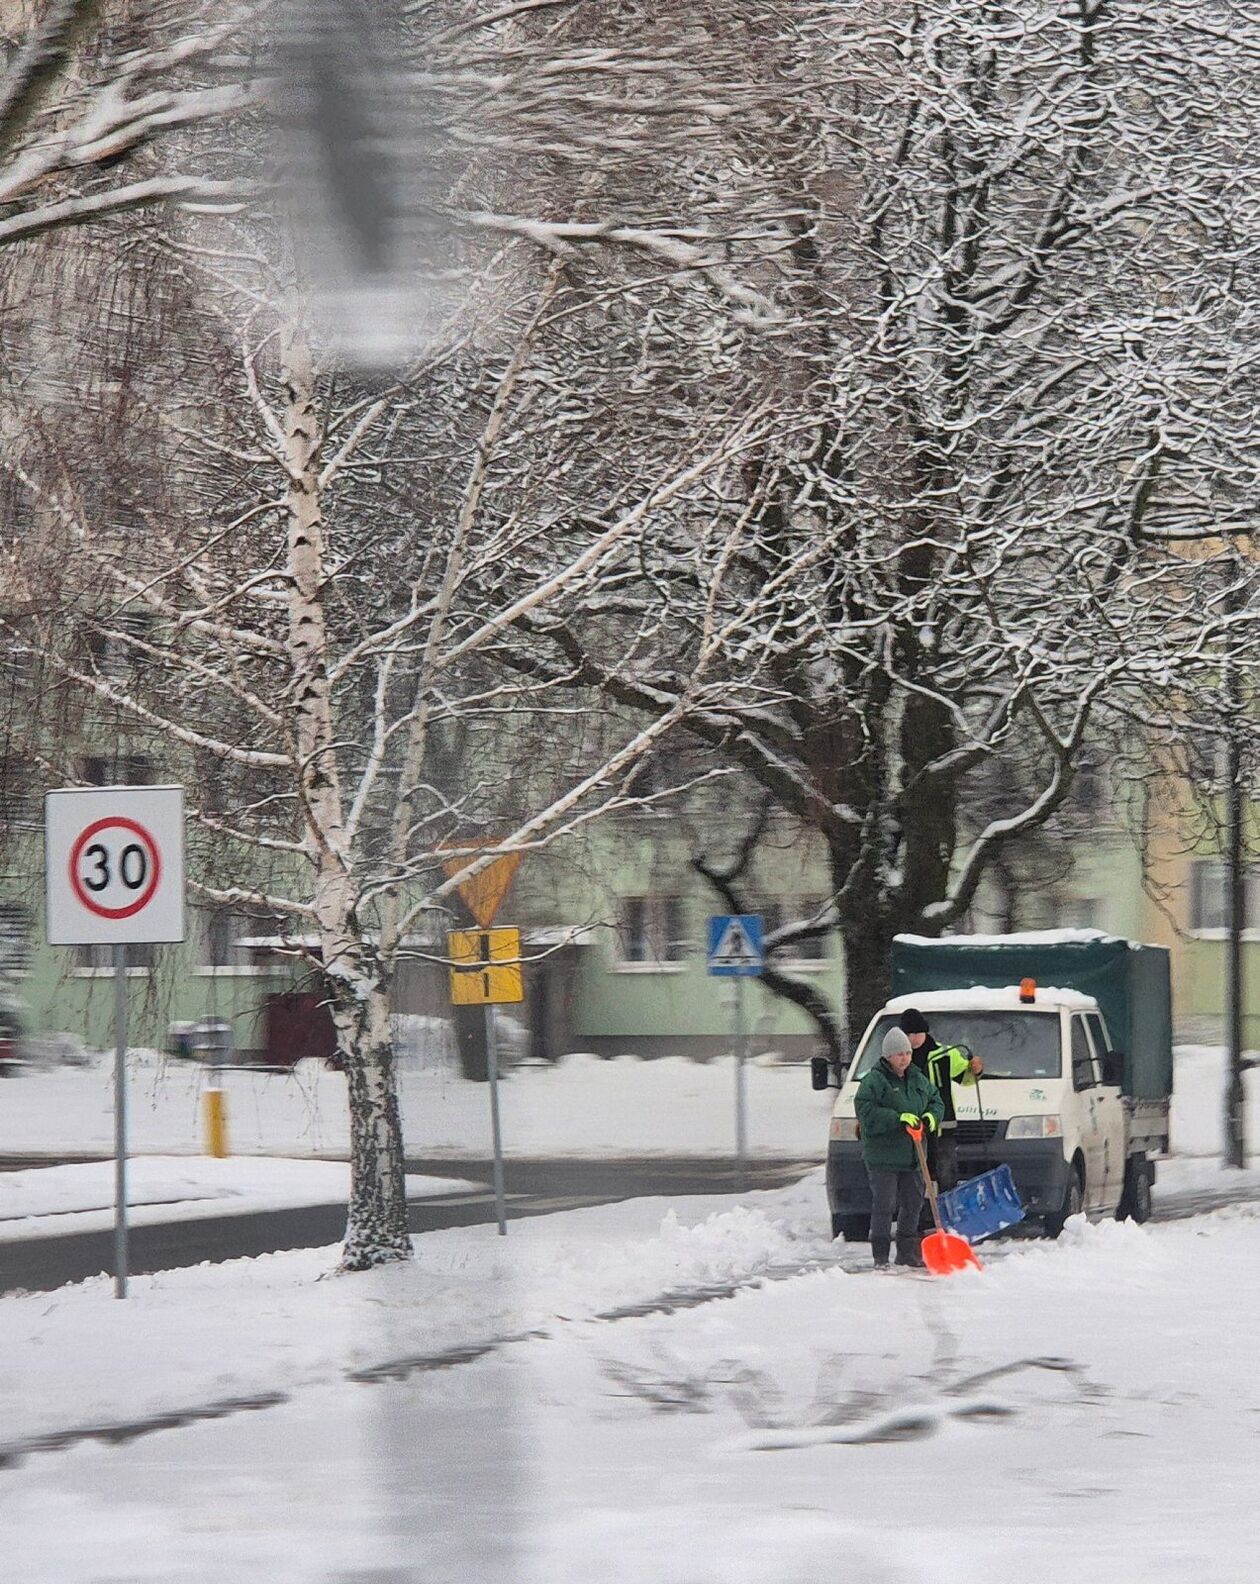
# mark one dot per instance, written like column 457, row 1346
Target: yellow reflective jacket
column 945, row 1065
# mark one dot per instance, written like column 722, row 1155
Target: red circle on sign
column 114, row 822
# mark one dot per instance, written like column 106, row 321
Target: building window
column 1209, row 902
column 652, row 929
column 137, row 955
column 116, row 770
column 1089, row 787
column 19, row 800
column 15, row 939
column 781, row 911
column 653, row 778
column 1082, row 913
column 219, row 932
column 111, row 655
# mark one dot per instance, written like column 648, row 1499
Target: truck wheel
column 1073, row 1204
column 852, row 1228
column 1135, row 1202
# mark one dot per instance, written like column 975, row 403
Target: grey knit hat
column 897, row 1043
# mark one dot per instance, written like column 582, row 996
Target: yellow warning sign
column 485, row 967
column 483, row 893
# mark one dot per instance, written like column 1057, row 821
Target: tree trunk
column 867, row 940
column 376, row 1229
column 376, row 1225
column 810, row 999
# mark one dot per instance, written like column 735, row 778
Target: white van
column 1049, row 1104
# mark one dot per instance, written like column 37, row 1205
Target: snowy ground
column 663, row 1391
column 582, row 1107
column 51, row 1201
column 1082, row 1410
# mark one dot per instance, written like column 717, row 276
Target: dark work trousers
column 942, row 1156
column 898, row 1193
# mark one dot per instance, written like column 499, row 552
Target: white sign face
column 114, row 865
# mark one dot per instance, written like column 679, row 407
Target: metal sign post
column 492, row 1065
column 741, row 1092
column 114, row 876
column 737, row 951
column 486, row 971
column 120, row 1121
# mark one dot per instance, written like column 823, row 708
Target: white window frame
column 657, row 928
column 24, row 932
column 778, row 910
column 244, row 926
column 1199, row 877
column 104, row 968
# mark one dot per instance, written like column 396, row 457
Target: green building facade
column 614, row 927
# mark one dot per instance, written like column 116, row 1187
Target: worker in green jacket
column 945, row 1066
column 893, row 1097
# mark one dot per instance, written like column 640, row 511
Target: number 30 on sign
column 115, row 867
column 115, row 859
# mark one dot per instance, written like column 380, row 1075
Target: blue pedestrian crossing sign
column 737, row 945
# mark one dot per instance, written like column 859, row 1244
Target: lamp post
column 1236, row 892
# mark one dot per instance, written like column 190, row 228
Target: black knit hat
column 912, row 1021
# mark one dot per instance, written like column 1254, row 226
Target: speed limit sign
column 114, row 865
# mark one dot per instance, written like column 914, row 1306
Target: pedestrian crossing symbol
column 736, row 945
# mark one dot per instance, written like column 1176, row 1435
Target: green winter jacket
column 881, row 1099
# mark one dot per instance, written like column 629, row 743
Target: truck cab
column 1049, row 1104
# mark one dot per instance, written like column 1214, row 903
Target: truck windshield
column 1010, row 1044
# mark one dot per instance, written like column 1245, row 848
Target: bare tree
column 843, row 425
column 89, row 89
column 301, row 615
column 1004, row 246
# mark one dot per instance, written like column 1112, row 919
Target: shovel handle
column 917, row 1135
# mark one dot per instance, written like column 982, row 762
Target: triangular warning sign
column 483, row 893
column 734, row 949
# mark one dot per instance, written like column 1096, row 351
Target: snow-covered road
column 1082, row 1410
column 52, row 1201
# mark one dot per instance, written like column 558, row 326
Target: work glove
column 909, row 1118
column 930, row 1122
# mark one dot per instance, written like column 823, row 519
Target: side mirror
column 1113, row 1069
column 820, row 1072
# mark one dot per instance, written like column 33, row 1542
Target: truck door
column 1085, row 1083
column 1111, row 1116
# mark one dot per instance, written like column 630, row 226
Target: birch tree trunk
column 376, row 1229
column 376, row 1226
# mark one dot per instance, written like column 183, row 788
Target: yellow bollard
column 214, row 1115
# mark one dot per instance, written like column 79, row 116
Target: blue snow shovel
column 982, row 1205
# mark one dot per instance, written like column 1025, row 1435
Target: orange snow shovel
column 943, row 1252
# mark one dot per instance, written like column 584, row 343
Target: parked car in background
column 13, row 1026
